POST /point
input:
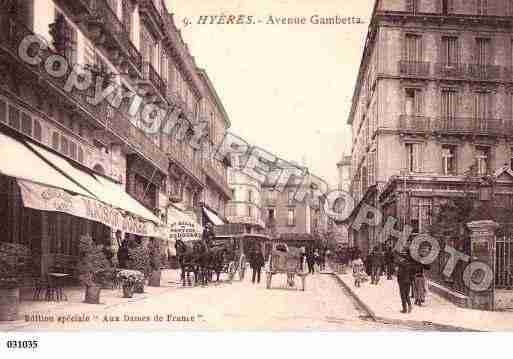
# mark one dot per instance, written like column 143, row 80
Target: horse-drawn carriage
column 285, row 260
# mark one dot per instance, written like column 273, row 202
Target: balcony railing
column 105, row 16
column 414, row 123
column 484, row 72
column 138, row 140
column 218, row 178
column 79, row 7
column 186, row 162
column 414, row 68
column 148, row 7
column 469, row 126
column 151, row 75
column 11, row 35
column 450, row 69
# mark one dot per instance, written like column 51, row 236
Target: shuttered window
column 450, row 51
column 482, row 7
column 482, row 102
column 414, row 157
column 14, row 117
column 449, row 104
column 413, row 48
column 26, row 124
column 482, row 51
column 413, row 102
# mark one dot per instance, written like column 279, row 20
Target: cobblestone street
column 224, row 306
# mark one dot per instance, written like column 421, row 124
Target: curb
column 357, row 298
column 375, row 318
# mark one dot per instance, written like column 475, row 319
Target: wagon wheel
column 268, row 280
column 242, row 267
column 231, row 270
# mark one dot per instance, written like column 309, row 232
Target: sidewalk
column 383, row 302
column 109, row 298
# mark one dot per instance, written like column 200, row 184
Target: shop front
column 47, row 202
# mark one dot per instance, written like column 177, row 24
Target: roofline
column 356, row 91
column 213, row 92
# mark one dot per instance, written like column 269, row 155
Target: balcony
column 484, row 72
column 185, row 162
column 414, row 68
column 217, row 177
column 11, row 35
column 137, row 140
column 414, row 124
column 471, row 126
column 79, row 7
column 151, row 76
column 108, row 31
column 151, row 15
column 452, row 70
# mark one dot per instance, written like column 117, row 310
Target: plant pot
column 9, row 301
column 139, row 288
column 128, row 291
column 92, row 294
column 155, row 278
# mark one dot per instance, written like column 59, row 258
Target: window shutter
column 419, row 102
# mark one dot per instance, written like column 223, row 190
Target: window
column 483, row 160
column 450, row 51
column 446, row 6
column 80, row 155
column 413, row 48
column 412, row 6
column 272, row 195
column 420, row 214
column 128, row 17
column 37, row 131
column 291, row 220
column 26, row 124
column 413, row 102
column 290, row 198
column 482, row 6
column 250, row 196
column 64, row 145
column 449, row 107
column 55, row 141
column 449, row 160
column 483, row 51
column 482, row 108
column 14, row 117
column 3, row 111
column 413, row 157
column 250, row 211
column 270, row 214
column 73, row 150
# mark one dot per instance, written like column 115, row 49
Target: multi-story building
column 217, row 192
column 245, row 206
column 297, row 219
column 433, row 98
column 135, row 48
column 344, row 174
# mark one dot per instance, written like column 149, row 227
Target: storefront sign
column 45, row 198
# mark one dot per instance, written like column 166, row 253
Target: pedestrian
column 257, row 262
column 389, row 262
column 123, row 254
column 404, row 276
column 310, row 261
column 358, row 272
column 317, row 259
column 377, row 259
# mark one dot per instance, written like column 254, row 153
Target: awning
column 51, row 183
column 182, row 226
column 212, row 217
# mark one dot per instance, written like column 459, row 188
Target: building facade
column 97, row 75
column 432, row 108
column 245, row 207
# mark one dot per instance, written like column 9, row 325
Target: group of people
column 314, row 257
column 382, row 260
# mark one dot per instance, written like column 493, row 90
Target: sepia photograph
column 294, row 166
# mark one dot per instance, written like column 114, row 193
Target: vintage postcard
column 237, row 165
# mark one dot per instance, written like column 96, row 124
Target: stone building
column 432, row 103
column 51, row 101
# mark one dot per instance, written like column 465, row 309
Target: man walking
column 389, row 262
column 377, row 259
column 257, row 262
column 404, row 278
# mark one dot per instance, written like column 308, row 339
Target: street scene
column 173, row 165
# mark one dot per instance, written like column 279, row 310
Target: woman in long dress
column 358, row 272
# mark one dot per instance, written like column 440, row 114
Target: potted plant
column 14, row 260
column 155, row 263
column 91, row 266
column 129, row 280
column 139, row 260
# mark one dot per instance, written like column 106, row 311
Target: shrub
column 92, row 262
column 14, row 262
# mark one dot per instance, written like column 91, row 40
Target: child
column 358, row 272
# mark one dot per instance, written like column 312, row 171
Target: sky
column 286, row 88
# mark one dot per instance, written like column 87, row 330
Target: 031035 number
column 22, row 344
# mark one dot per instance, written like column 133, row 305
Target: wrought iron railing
column 484, row 72
column 459, row 125
column 150, row 74
column 450, row 69
column 414, row 68
column 414, row 123
column 218, row 178
column 179, row 155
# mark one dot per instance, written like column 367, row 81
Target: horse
column 188, row 258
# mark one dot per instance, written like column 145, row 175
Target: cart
column 285, row 260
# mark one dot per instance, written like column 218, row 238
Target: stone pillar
column 482, row 239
